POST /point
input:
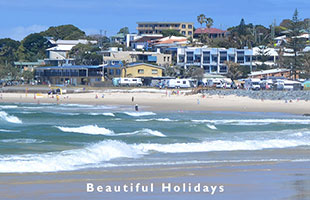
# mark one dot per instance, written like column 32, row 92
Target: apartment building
column 185, row 28
column 137, row 56
column 213, row 60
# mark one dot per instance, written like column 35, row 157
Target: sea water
column 67, row 137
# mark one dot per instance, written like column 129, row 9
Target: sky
column 22, row 17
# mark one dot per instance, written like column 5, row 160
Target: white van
column 252, row 84
column 180, row 83
column 288, row 85
column 130, row 82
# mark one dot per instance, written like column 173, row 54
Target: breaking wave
column 22, row 141
column 96, row 155
column 10, row 118
column 104, row 114
column 89, row 129
column 8, row 107
column 139, row 114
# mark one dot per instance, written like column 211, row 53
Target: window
column 190, row 26
column 134, row 80
column 183, row 26
column 206, row 57
column 168, row 58
column 111, row 71
column 190, row 33
column 118, row 72
column 183, row 32
column 154, row 71
column 181, row 58
column 184, row 82
column 164, row 58
column 140, row 71
column 190, row 57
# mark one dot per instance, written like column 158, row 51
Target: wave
column 255, row 121
column 22, row 141
column 97, row 155
column 139, row 114
column 8, row 107
column 9, row 131
column 145, row 131
column 10, row 118
column 104, row 114
column 95, row 130
column 90, row 156
column 221, row 145
column 211, row 126
column 159, row 119
column 89, row 129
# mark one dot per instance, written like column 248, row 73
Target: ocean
column 69, row 137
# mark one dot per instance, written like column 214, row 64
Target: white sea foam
column 138, row 114
column 9, row 131
column 104, row 114
column 211, row 126
column 221, row 145
column 9, row 118
column 97, row 154
column 8, row 107
column 22, row 141
column 158, row 119
column 90, row 156
column 144, row 131
column 89, row 129
column 255, row 121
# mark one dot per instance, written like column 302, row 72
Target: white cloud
column 19, row 32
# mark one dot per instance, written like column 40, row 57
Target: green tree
column 28, row 76
column 171, row 32
column 86, row 54
column 296, row 43
column 124, row 30
column 8, row 49
column 32, row 47
column 235, row 71
column 64, row 32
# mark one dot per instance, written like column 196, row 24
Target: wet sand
column 164, row 102
column 249, row 180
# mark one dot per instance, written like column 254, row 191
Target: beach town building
column 142, row 70
column 114, row 54
column 72, row 75
column 28, row 66
column 59, row 53
column 213, row 60
column 185, row 28
column 210, row 32
column 286, row 73
column 144, row 41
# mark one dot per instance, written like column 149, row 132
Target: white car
column 130, row 82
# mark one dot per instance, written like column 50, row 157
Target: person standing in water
column 137, row 107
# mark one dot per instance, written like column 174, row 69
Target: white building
column 59, row 53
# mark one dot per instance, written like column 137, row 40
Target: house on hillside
column 211, row 32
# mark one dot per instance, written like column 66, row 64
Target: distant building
column 185, row 28
column 29, row 66
column 73, row 75
column 211, row 32
column 286, row 73
column 144, row 42
column 142, row 70
column 58, row 55
column 213, row 60
column 137, row 56
column 119, row 38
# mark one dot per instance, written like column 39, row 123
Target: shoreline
column 160, row 102
column 253, row 177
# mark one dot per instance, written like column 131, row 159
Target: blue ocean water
column 51, row 137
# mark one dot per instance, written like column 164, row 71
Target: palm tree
column 209, row 22
column 201, row 20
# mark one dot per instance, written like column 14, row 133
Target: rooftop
column 209, row 31
column 150, row 65
column 270, row 71
column 165, row 22
column 71, row 67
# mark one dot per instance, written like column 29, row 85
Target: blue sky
column 21, row 17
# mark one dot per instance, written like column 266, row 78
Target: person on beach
column 132, row 99
column 137, row 107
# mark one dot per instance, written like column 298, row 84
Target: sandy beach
column 249, row 180
column 165, row 102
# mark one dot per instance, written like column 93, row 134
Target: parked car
column 252, row 84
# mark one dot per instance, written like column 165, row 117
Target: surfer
column 137, row 107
